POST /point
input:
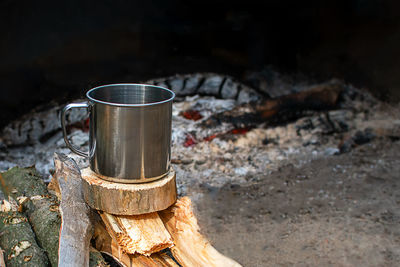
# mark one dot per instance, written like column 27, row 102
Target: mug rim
column 130, row 105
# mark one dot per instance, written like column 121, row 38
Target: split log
column 143, row 234
column 38, row 205
column 76, row 228
column 106, row 242
column 18, row 240
column 191, row 248
column 128, row 199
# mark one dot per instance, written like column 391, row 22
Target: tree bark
column 18, row 241
column 40, row 207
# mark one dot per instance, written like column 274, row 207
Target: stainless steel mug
column 129, row 131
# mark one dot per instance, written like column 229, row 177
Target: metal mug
column 129, row 131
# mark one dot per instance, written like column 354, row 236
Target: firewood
column 105, row 241
column 128, row 199
column 281, row 109
column 40, row 207
column 18, row 240
column 141, row 240
column 143, row 234
column 75, row 235
column 319, row 97
column 191, row 248
column 76, row 228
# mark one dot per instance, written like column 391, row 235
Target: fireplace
column 285, row 126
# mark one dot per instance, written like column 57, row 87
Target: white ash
column 230, row 89
column 210, row 86
column 248, row 95
column 206, row 107
column 190, row 85
column 33, row 126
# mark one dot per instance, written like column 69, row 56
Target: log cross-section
column 128, row 199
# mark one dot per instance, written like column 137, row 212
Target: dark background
column 56, row 50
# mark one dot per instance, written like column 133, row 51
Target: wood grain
column 76, row 228
column 128, row 199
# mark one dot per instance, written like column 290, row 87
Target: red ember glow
column 239, row 131
column 191, row 114
column 189, row 140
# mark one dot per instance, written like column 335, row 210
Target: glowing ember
column 210, row 138
column 239, row 131
column 189, row 140
column 191, row 114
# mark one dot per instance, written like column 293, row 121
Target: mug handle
column 64, row 129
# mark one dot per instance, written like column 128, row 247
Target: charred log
column 281, row 110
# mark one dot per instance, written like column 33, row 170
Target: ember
column 210, row 138
column 239, row 130
column 193, row 115
column 190, row 140
column 236, row 131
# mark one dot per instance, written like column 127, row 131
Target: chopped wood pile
column 53, row 226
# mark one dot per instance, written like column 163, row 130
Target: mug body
column 130, row 132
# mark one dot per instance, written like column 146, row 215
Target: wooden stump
column 128, row 199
